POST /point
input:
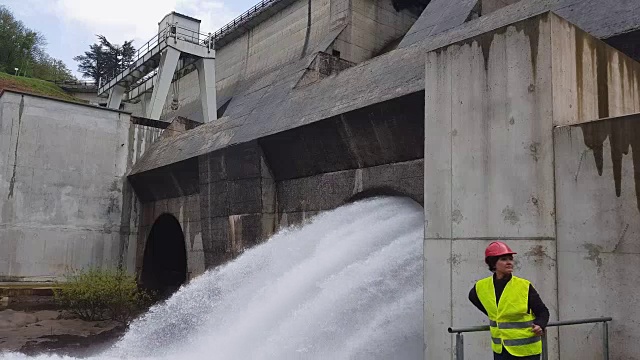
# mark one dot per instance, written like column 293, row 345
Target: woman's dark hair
column 491, row 262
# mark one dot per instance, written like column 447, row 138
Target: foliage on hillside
column 23, row 49
column 34, row 86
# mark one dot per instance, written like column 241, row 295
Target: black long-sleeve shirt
column 535, row 303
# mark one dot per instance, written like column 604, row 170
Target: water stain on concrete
column 510, row 215
column 594, row 254
column 536, row 203
column 538, row 253
column 534, row 149
column 624, row 136
column 454, row 260
column 456, row 216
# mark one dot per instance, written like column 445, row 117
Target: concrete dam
column 512, row 120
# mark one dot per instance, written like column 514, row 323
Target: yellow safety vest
column 510, row 321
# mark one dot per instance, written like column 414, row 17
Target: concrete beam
column 115, row 97
column 145, row 103
column 207, row 79
column 168, row 64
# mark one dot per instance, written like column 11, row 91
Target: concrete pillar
column 145, row 103
column 207, row 78
column 168, row 64
column 489, row 175
column 115, row 97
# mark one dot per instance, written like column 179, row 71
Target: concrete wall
column 489, row 6
column 374, row 25
column 488, row 174
column 491, row 172
column 237, row 201
column 62, row 200
column 598, row 215
column 591, row 80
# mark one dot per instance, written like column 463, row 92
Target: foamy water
column 347, row 285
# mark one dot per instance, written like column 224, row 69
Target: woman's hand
column 537, row 330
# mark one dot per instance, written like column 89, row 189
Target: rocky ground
column 55, row 331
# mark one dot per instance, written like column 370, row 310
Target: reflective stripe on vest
column 512, row 325
column 510, row 320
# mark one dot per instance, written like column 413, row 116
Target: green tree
column 18, row 43
column 93, row 64
column 47, row 68
column 105, row 59
column 23, row 48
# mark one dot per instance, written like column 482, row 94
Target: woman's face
column 505, row 264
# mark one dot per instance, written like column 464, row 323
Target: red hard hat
column 498, row 248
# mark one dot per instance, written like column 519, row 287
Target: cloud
column 121, row 20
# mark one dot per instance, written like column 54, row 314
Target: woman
column 517, row 315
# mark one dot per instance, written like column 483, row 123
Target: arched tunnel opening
column 164, row 267
column 382, row 191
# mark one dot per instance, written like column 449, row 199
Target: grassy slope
column 34, row 86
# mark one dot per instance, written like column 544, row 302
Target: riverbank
column 55, row 331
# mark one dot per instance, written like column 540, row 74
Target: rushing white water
column 347, row 285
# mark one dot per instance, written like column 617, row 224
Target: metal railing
column 244, row 17
column 545, row 351
column 206, row 40
column 170, row 31
column 86, row 83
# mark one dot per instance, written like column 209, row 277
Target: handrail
column 605, row 334
column 170, row 31
column 263, row 4
column 551, row 324
column 206, row 40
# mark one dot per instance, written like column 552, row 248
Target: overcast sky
column 70, row 26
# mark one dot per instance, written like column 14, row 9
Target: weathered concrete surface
column 601, row 18
column 237, row 202
column 372, row 26
column 299, row 199
column 385, row 133
column 248, row 190
column 489, row 6
column 62, row 199
column 488, row 170
column 591, row 80
column 598, row 217
column 491, row 172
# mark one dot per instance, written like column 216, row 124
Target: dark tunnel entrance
column 164, row 267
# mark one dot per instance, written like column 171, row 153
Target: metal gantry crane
column 178, row 47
